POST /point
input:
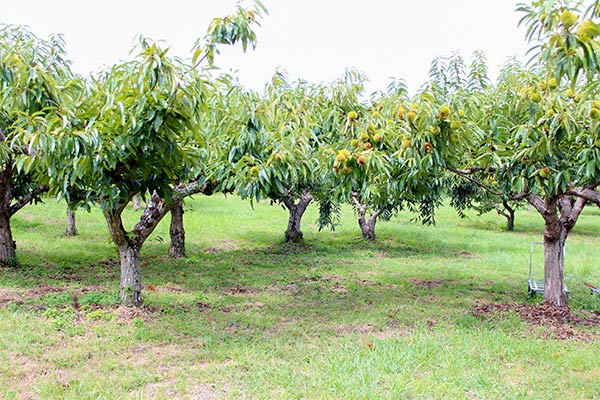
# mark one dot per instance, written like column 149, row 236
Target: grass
column 245, row 316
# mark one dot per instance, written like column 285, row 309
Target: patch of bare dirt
column 467, row 254
column 391, row 331
column 240, row 290
column 225, row 245
column 426, row 283
column 562, row 322
column 19, row 295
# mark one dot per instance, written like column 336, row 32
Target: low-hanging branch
column 467, row 174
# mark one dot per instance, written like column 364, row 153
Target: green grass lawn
column 245, row 316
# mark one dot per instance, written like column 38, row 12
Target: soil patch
column 426, row 283
column 563, row 323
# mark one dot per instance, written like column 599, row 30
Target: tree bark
column 71, row 223
column 8, row 247
column 296, row 211
column 368, row 227
column 554, row 264
column 510, row 220
column 177, row 231
column 130, row 243
column 131, row 275
column 560, row 215
column 509, row 213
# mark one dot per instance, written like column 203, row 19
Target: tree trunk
column 509, row 213
column 131, row 276
column 177, row 232
column 554, row 265
column 510, row 217
column 293, row 233
column 137, row 202
column 8, row 247
column 367, row 227
column 71, row 223
column 510, row 221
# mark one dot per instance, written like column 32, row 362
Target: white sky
column 310, row 39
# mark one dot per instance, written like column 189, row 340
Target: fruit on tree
column 364, row 136
column 377, row 137
column 411, row 115
column 588, row 29
column 354, row 142
column 405, row 143
column 568, row 19
column 352, row 115
column 254, row 171
column 569, row 93
column 595, row 113
column 544, row 172
column 535, row 97
column 361, row 160
column 552, row 84
column 444, row 112
column 455, row 124
column 428, row 147
column 367, row 145
column 401, row 112
column 342, row 155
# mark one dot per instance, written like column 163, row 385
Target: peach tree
column 36, row 97
column 275, row 153
column 373, row 167
column 142, row 120
column 535, row 134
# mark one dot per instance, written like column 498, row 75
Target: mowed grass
column 246, row 316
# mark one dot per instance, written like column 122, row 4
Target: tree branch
column 115, row 225
column 467, row 175
column 28, row 198
column 585, row 193
column 537, row 202
column 154, row 212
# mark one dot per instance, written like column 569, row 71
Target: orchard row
column 164, row 129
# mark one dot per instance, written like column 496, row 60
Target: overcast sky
column 310, row 39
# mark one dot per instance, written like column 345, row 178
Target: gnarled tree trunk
column 176, row 231
column 131, row 275
column 509, row 213
column 130, row 243
column 8, row 208
column 8, row 247
column 554, row 266
column 71, row 223
column 560, row 214
column 296, row 211
column 367, row 227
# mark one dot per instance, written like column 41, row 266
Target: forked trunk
column 368, row 227
column 509, row 213
column 177, row 232
column 71, row 223
column 510, row 221
column 296, row 211
column 8, row 247
column 554, row 266
column 131, row 277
